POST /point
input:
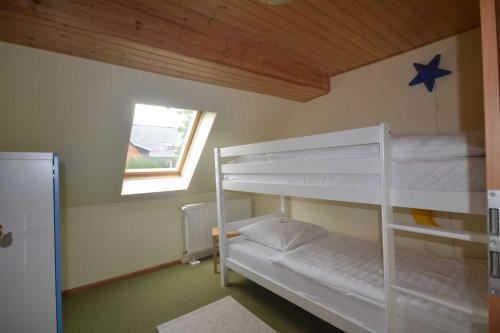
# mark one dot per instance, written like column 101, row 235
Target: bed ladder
column 388, row 244
column 439, row 232
column 392, row 288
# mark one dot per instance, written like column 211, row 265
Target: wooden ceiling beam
column 265, row 71
column 125, row 53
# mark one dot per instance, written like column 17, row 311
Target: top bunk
column 364, row 165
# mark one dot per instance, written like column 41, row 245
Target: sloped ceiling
column 289, row 51
column 83, row 110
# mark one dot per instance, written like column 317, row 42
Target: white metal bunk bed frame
column 387, row 198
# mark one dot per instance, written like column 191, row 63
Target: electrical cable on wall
column 436, row 110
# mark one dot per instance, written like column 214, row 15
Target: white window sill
column 153, row 185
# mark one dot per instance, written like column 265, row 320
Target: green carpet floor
column 139, row 304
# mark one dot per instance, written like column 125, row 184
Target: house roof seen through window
column 160, row 139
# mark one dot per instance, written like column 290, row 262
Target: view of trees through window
column 159, row 137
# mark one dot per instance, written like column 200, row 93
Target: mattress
column 450, row 162
column 404, row 148
column 366, row 311
column 455, row 175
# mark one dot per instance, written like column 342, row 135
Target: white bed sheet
column 368, row 314
column 455, row 175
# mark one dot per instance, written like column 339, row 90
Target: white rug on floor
column 223, row 316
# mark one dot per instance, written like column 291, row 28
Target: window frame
column 163, row 172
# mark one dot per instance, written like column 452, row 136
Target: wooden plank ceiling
column 289, row 51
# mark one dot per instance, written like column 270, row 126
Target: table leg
column 214, row 253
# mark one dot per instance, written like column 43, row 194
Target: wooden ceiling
column 289, row 51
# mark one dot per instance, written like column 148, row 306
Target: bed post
column 221, row 218
column 490, row 37
column 387, row 233
column 283, row 205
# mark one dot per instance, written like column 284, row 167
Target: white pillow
column 282, row 233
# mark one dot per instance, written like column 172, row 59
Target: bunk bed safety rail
column 346, row 166
column 458, row 202
column 359, row 136
column 347, row 194
column 358, row 166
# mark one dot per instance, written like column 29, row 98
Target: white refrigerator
column 30, row 279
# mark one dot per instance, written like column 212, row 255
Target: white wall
column 103, row 241
column 380, row 93
column 83, row 110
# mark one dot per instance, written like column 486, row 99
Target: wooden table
column 215, row 249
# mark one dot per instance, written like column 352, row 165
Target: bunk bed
column 352, row 166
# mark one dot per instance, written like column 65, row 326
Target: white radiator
column 199, row 219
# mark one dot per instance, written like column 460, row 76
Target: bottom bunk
column 340, row 279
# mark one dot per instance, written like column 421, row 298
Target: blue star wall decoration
column 429, row 73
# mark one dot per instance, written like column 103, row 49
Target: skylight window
column 160, row 140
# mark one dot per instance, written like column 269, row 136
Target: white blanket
column 354, row 267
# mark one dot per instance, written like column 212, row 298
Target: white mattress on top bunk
column 429, row 147
column 353, row 290
column 457, row 175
